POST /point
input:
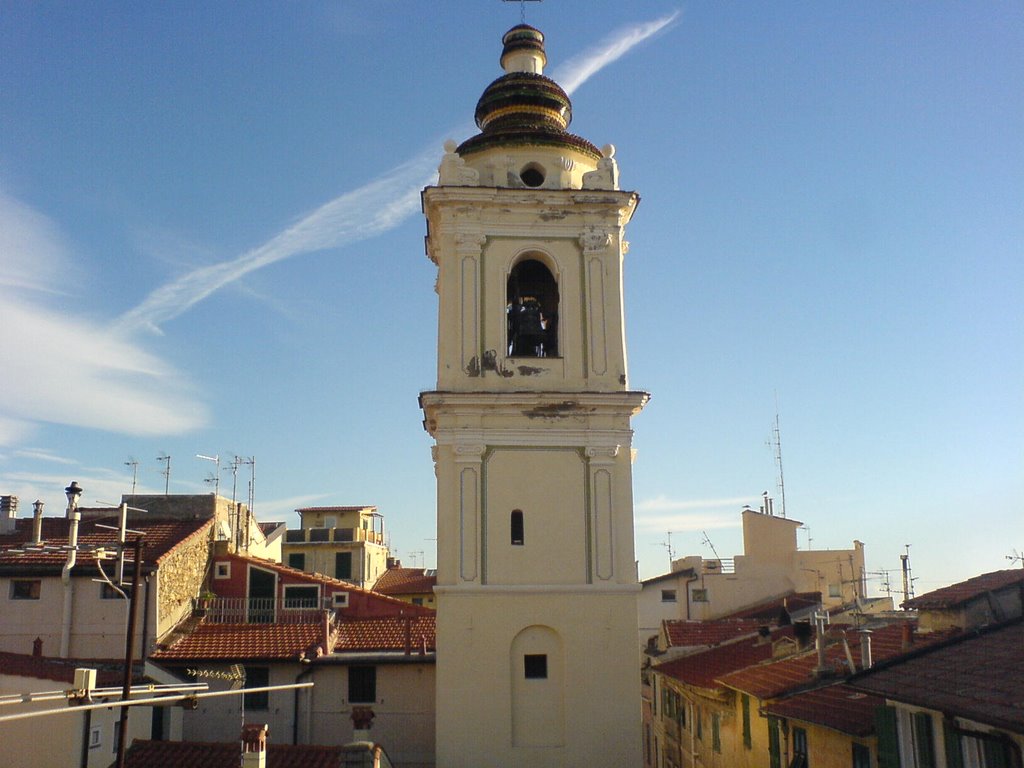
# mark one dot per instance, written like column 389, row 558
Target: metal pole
column 129, row 652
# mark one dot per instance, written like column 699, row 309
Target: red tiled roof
column 772, row 609
column 957, row 594
column 196, row 754
column 702, row 669
column 977, row 675
column 109, row 672
column 161, row 538
column 775, row 677
column 243, row 641
column 695, row 633
column 386, row 633
column 405, row 581
column 838, row 707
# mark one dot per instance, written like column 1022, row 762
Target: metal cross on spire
column 522, row 7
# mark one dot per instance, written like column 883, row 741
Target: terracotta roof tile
column 957, row 594
column 405, row 581
column 243, row 641
column 838, row 707
column 702, row 669
column 386, row 633
column 772, row 609
column 696, row 633
column 978, row 675
column 194, row 754
column 162, row 536
column 776, row 677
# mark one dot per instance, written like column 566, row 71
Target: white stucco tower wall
column 537, row 614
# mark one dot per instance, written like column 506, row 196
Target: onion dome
column 523, row 107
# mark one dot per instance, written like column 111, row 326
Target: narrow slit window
column 532, row 311
column 517, row 526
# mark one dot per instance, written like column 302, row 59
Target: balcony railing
column 258, row 610
column 332, row 535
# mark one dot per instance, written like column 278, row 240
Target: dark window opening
column 301, row 597
column 517, row 526
column 535, row 666
column 343, row 565
column 297, row 560
column 107, row 591
column 861, row 756
column 532, row 309
column 362, row 685
column 532, row 176
column 257, row 677
column 25, row 589
column 799, row 749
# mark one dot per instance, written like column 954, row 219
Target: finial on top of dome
column 524, row 50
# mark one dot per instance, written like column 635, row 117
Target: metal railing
column 257, row 610
column 332, row 535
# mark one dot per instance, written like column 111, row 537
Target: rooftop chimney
column 865, row 649
column 37, row 522
column 907, row 636
column 8, row 513
column 254, row 745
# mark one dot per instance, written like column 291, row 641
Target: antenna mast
column 166, row 472
column 134, row 464
column 707, row 540
column 777, row 444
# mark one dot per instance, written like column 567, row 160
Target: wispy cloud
column 664, row 514
column 360, row 214
column 580, row 68
column 66, row 369
column 665, row 504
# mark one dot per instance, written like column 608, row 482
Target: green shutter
column 951, row 740
column 746, row 721
column 774, row 751
column 888, row 739
column 923, row 740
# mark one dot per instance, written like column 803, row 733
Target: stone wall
column 181, row 575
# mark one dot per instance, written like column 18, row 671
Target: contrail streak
column 370, row 210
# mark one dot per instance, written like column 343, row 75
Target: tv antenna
column 250, row 460
column 216, row 476
column 707, row 541
column 667, row 544
column 166, row 471
column 1016, row 557
column 134, row 464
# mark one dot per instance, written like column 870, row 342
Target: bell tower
column 537, row 617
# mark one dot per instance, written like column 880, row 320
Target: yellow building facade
column 536, row 584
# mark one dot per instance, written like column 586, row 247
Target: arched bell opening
column 532, row 310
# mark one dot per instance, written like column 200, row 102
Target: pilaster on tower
column 531, row 419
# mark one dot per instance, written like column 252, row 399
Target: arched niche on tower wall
column 537, row 667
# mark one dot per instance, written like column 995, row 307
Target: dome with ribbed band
column 523, row 107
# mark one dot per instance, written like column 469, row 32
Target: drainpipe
column 298, row 691
column 73, row 492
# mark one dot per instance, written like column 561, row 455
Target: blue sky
column 210, row 243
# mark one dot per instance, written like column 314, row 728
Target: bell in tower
column 533, row 445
